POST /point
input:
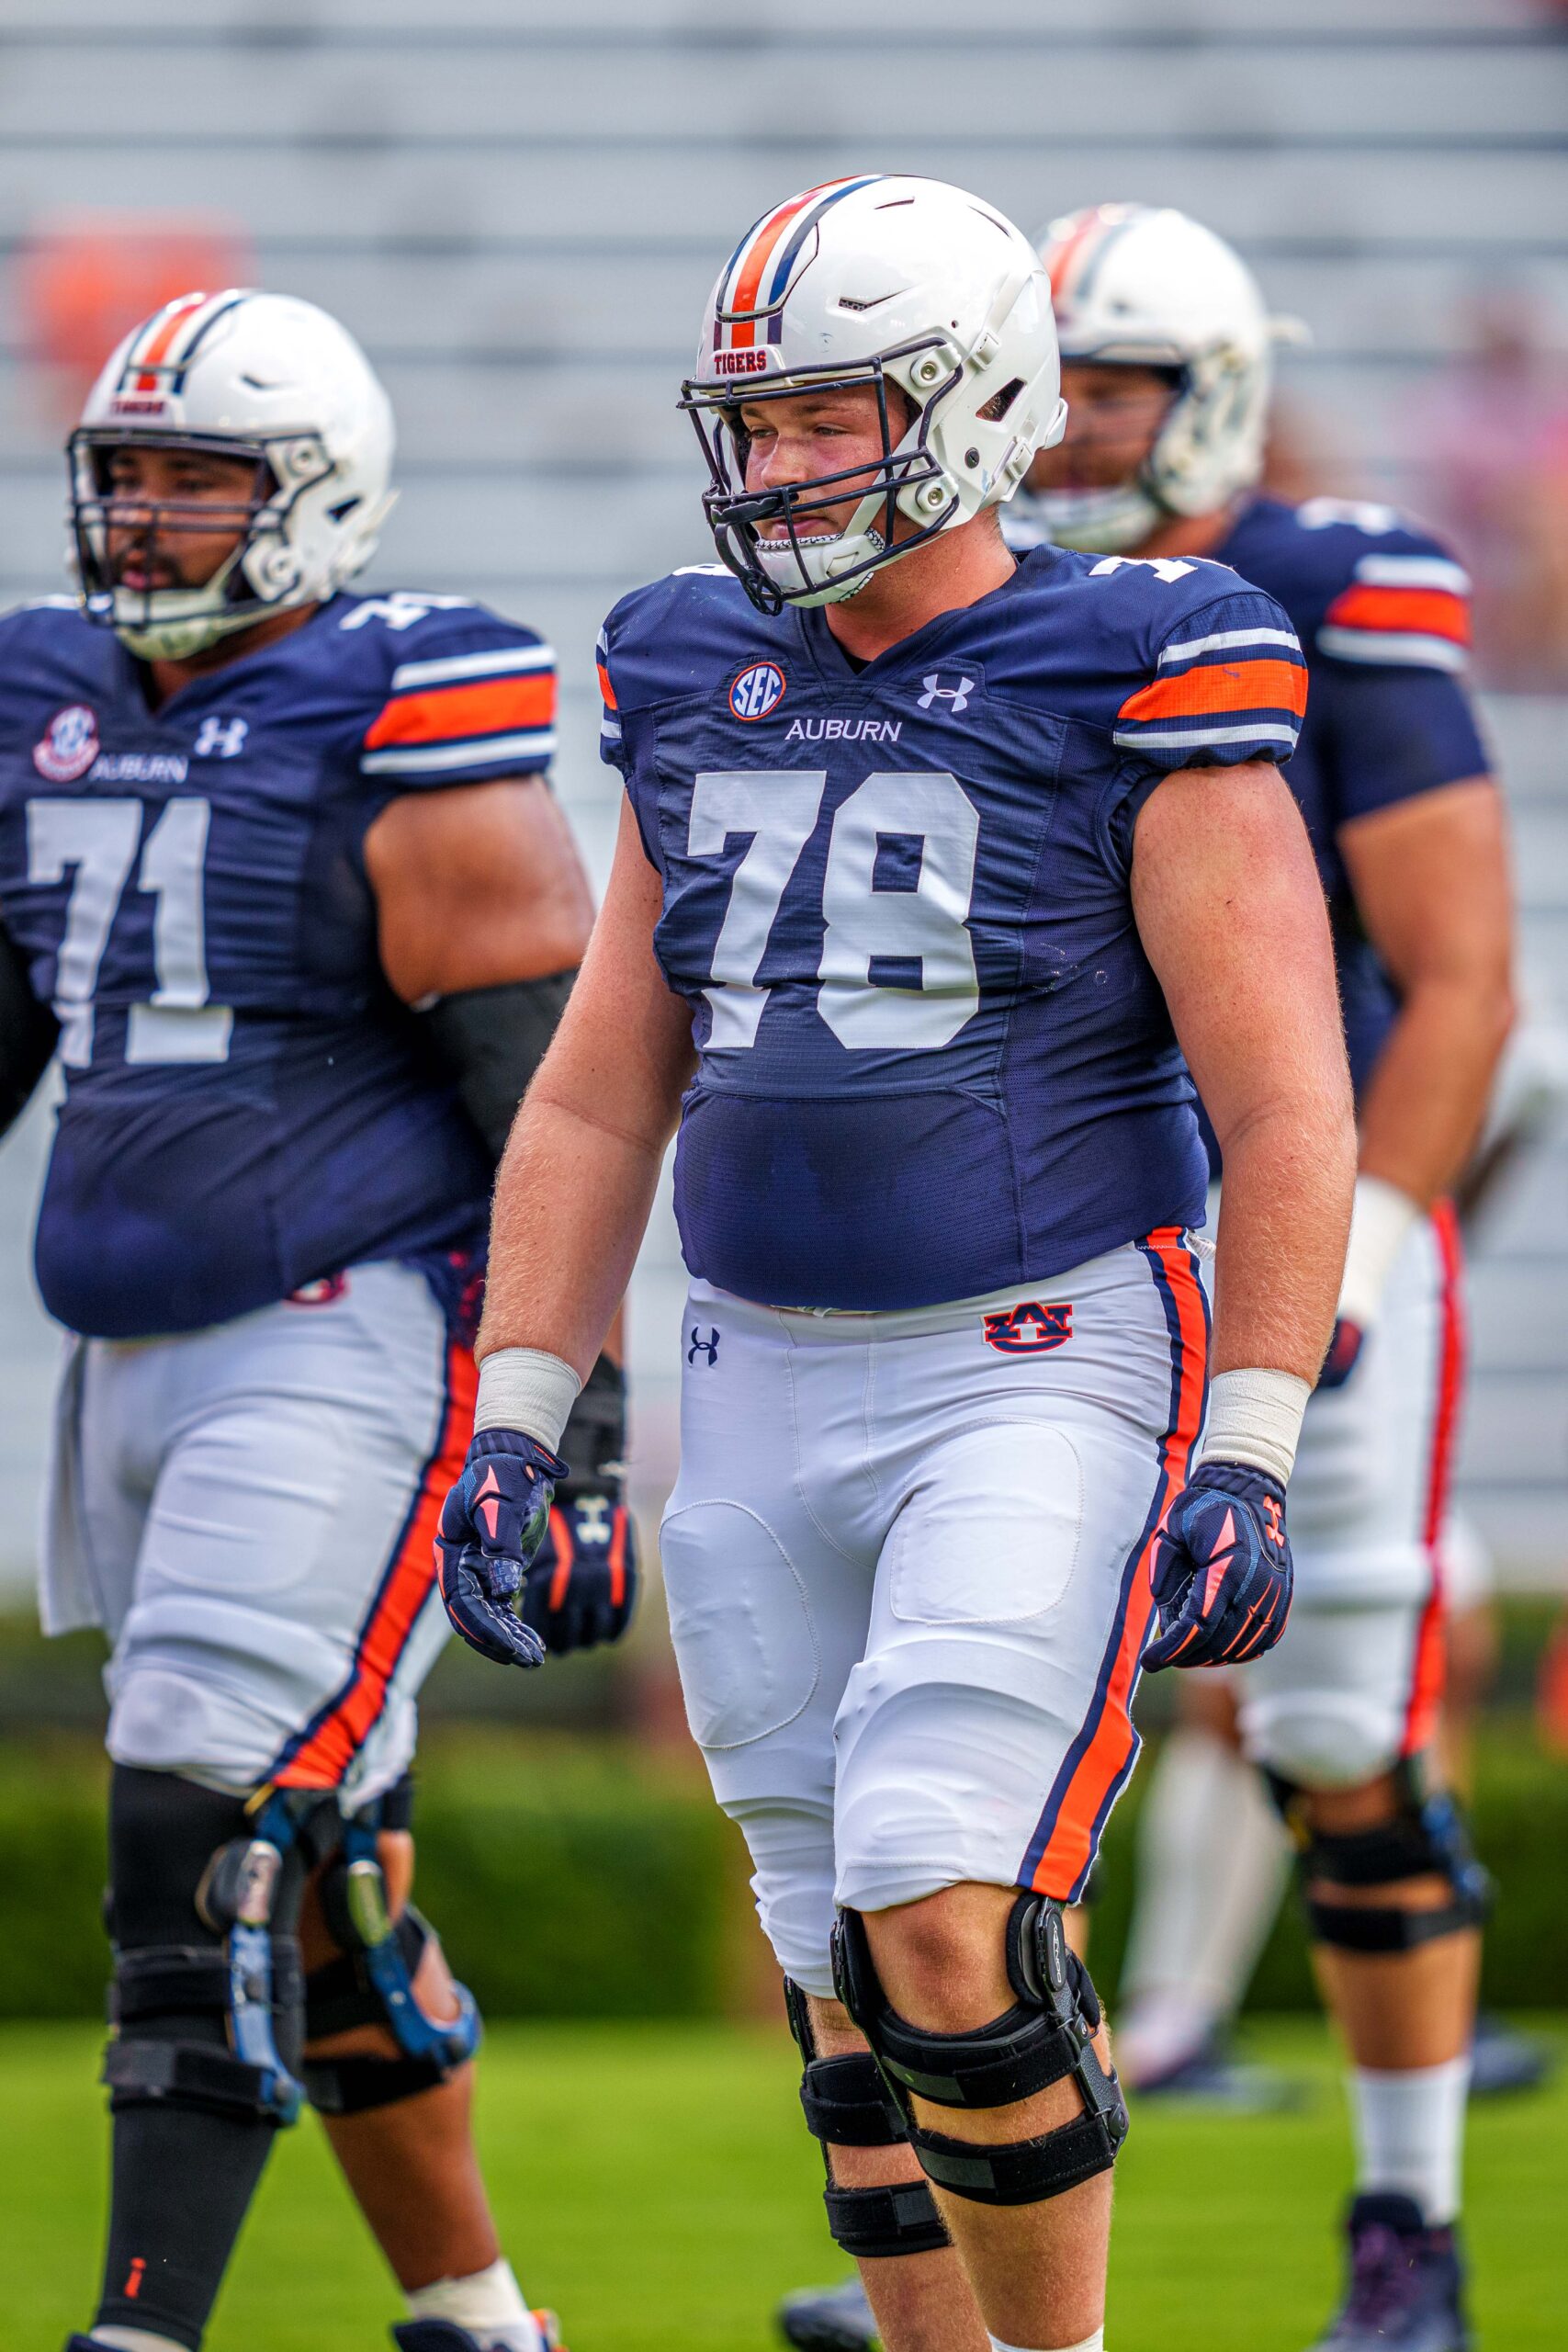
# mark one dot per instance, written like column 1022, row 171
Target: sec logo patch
column 69, row 746
column 757, row 691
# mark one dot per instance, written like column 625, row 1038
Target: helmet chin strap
column 1096, row 522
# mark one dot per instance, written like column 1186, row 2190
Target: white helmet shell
column 252, row 375
column 1144, row 286
column 877, row 280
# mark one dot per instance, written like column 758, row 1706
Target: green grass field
column 655, row 2184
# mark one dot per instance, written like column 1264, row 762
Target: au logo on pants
column 1031, row 1329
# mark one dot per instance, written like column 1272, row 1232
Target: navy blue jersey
column 248, row 1108
column 933, row 1058
column 1382, row 614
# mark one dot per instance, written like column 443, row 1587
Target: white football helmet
column 1145, row 287
column 236, row 375
column 875, row 280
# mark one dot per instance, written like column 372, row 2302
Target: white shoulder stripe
column 1413, row 572
column 1225, row 640
column 503, row 664
column 483, row 751
column 1173, row 738
column 1391, row 649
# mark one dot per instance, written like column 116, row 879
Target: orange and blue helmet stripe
column 161, row 350
column 778, row 237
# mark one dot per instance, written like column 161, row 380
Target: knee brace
column 371, row 1981
column 207, row 1995
column 847, row 2105
column 1426, row 1836
column 1045, row 2038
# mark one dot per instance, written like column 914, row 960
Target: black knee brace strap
column 1427, row 1838
column 165, row 1985
column 1045, row 2038
column 847, row 2105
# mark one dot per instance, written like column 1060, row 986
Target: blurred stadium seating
column 518, row 204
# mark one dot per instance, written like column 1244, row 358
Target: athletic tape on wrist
column 1256, row 1418
column 525, row 1389
column 1380, row 1219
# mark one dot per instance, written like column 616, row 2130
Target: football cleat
column 829, row 2319
column 446, row 2336
column 1406, row 2291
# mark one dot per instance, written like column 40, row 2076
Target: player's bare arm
column 476, row 887
column 576, row 1185
column 1230, row 911
column 1433, row 891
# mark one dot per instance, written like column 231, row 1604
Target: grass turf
column 654, row 2184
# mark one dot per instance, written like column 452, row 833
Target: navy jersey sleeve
column 1223, row 683
column 1388, row 685
column 635, row 645
column 1228, row 683
column 470, row 697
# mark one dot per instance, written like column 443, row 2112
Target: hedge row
column 576, row 1878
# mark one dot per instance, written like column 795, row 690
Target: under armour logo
column 708, row 1346
column 594, row 1520
column 221, row 739
column 1273, row 1520
column 936, row 692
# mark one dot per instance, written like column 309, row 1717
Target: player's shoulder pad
column 663, row 640
column 46, row 622
column 454, row 692
column 1377, row 588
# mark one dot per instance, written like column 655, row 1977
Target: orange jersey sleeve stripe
column 323, row 1756
column 1420, row 612
column 1228, row 685
column 606, row 689
column 1110, row 1750
column 446, row 714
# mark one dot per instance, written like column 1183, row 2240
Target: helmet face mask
column 256, row 381
column 775, row 569
column 163, row 621
column 886, row 284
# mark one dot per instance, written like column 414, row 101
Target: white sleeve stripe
column 1395, row 652
column 611, row 726
column 483, row 751
column 1226, row 639
column 1413, row 572
column 503, row 664
column 1172, row 739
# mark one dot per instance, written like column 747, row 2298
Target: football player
column 282, row 884
column 1167, row 348
column 928, row 860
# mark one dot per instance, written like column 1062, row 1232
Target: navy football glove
column 582, row 1587
column 1344, row 1353
column 1222, row 1571
column 492, row 1524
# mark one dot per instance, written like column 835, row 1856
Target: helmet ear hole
column 997, row 407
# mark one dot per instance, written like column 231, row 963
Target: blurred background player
column 1167, row 350
column 1213, row 1853
column 928, row 858
column 283, row 886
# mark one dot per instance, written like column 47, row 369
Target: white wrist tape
column 523, row 1388
column 1380, row 1220
column 1256, row 1418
